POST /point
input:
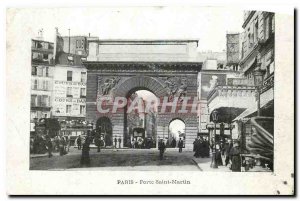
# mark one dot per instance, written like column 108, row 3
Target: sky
column 209, row 25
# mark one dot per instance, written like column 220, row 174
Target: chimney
column 40, row 34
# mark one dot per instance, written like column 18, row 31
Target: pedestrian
column 180, row 145
column 49, row 146
column 140, row 142
column 218, row 155
column 173, row 143
column 235, row 157
column 68, row 142
column 198, row 147
column 227, row 147
column 162, row 148
column 61, row 146
column 119, row 140
column 78, row 141
column 65, row 144
column 194, row 144
column 115, row 142
column 133, row 143
column 201, row 148
column 98, row 142
column 85, row 157
column 206, row 148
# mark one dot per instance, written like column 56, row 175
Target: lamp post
column 258, row 74
column 214, row 159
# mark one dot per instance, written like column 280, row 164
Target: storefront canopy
column 267, row 109
column 227, row 114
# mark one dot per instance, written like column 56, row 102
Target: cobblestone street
column 122, row 159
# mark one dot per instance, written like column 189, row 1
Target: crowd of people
column 142, row 143
column 201, row 147
column 42, row 144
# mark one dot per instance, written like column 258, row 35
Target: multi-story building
column 236, row 99
column 42, row 65
column 258, row 52
column 69, row 87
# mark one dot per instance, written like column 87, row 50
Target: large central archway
column 164, row 79
column 140, row 120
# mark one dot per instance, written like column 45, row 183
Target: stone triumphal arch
column 169, row 72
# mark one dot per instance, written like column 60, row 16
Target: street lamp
column 214, row 159
column 258, row 74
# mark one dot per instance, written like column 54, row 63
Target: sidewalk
column 204, row 165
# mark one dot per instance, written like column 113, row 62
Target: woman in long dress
column 235, row 158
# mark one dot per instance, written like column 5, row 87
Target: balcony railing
column 231, row 91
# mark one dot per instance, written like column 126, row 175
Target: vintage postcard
column 150, row 101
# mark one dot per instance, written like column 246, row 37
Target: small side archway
column 177, row 130
column 104, row 127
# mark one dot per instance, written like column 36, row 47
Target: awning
column 250, row 112
column 227, row 114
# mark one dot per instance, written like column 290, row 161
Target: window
column 39, row 100
column 35, row 55
column 45, row 56
column 82, row 44
column 33, row 70
column 69, row 92
column 32, row 44
column 77, row 44
column 46, row 45
column 33, row 100
column 69, row 75
column 256, row 30
column 82, row 109
column 35, row 85
column 83, row 76
column 82, row 92
column 45, row 100
column 273, row 23
column 39, row 71
column 268, row 26
column 47, row 71
column 68, row 109
column 45, row 85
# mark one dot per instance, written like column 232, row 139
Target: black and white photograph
column 155, row 104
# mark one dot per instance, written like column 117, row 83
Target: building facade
column 69, row 88
column 42, row 65
column 258, row 52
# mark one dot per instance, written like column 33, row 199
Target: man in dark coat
column 173, row 143
column 162, row 148
column 119, row 140
column 115, row 140
column 49, row 146
column 79, row 142
column 180, row 145
column 98, row 142
column 85, row 157
column 194, row 144
column 61, row 146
